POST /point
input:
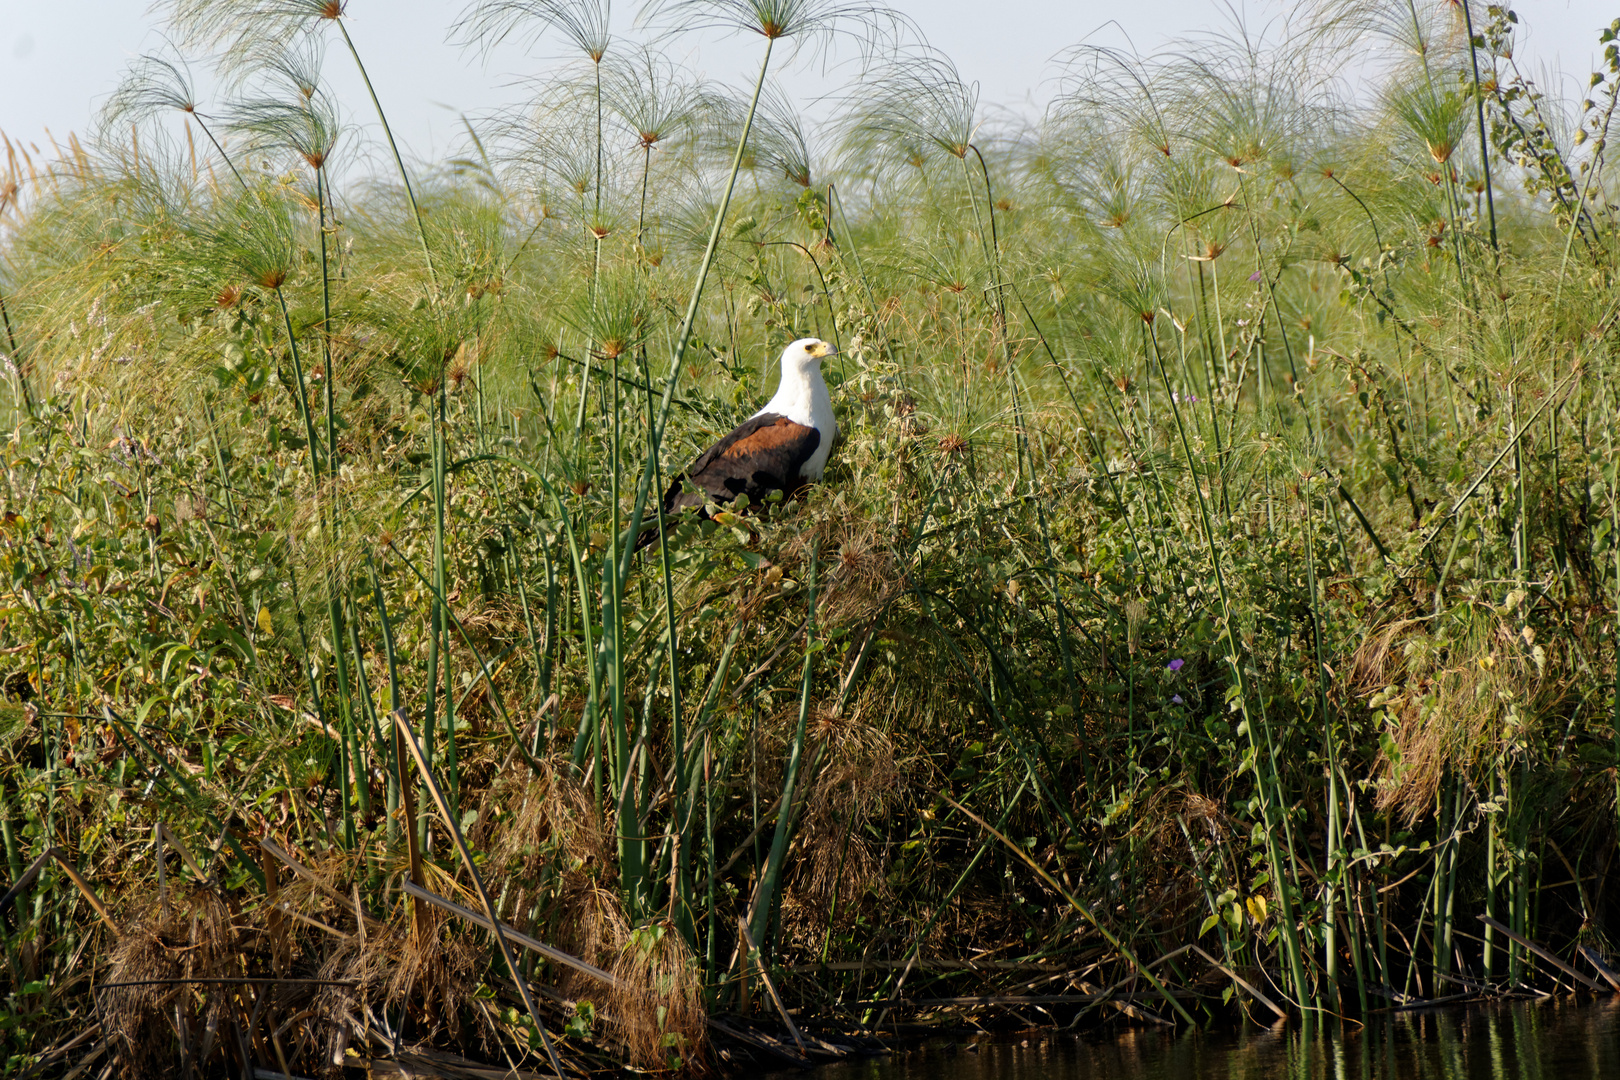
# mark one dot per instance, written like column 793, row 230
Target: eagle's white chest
column 803, row 399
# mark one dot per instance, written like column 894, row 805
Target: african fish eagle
column 780, row 448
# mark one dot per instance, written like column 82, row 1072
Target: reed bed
column 1210, row 611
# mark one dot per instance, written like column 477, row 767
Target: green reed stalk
column 1335, row 868
column 1269, row 783
column 684, row 336
column 395, row 775
column 1614, row 547
column 632, row 846
column 708, row 855
column 519, row 581
column 300, row 391
column 16, row 356
column 368, row 707
column 345, row 727
column 771, row 878
column 679, row 826
column 1479, row 119
column 326, row 328
column 1524, row 812
column 436, row 613
column 495, row 696
column 399, row 162
column 334, row 587
column 1213, row 386
column 1492, row 856
column 223, row 156
column 1375, row 918
column 1446, row 911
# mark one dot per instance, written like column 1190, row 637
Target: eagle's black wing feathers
column 761, row 455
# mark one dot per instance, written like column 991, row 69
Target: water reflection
column 1548, row 1040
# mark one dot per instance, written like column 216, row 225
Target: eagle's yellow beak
column 822, row 350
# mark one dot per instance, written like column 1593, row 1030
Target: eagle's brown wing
column 761, row 455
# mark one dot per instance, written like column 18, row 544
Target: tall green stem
column 678, row 352
column 770, row 879
column 1270, row 797
column 399, row 162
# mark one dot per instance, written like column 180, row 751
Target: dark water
column 1548, row 1040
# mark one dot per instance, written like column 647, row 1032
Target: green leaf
column 183, row 652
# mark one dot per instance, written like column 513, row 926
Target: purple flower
column 1255, row 276
column 1175, row 699
column 1177, row 664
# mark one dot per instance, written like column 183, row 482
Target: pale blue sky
column 60, row 58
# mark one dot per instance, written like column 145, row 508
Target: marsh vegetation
column 1209, row 611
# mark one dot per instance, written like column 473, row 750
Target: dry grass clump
column 1460, row 694
column 548, row 847
column 547, row 843
column 147, row 1007
column 438, row 975
column 216, row 987
column 1169, row 893
column 432, row 978
column 860, row 781
column 532, row 823
column 656, row 1009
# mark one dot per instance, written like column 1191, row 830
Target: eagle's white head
column 802, row 397
column 802, row 359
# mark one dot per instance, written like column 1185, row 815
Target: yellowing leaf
column 265, row 625
column 1257, row 908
